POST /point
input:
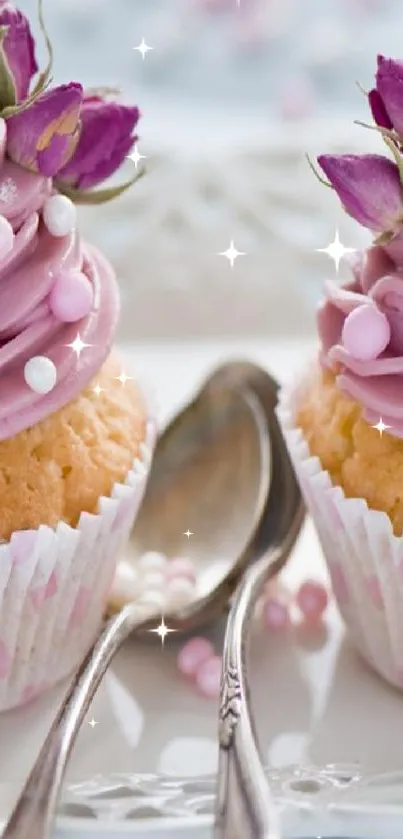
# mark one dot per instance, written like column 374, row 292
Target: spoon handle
column 244, row 806
column 34, row 812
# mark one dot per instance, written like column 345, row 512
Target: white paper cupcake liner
column 364, row 558
column 54, row 585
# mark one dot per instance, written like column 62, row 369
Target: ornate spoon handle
column 34, row 812
column 244, row 806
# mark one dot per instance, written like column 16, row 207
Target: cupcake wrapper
column 54, row 584
column 364, row 557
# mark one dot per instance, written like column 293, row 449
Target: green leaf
column 97, row 196
column 17, row 109
column 384, row 238
column 7, row 87
column 396, row 154
column 318, row 176
column 44, row 77
column 385, row 132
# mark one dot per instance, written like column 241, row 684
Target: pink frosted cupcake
column 343, row 420
column 75, row 435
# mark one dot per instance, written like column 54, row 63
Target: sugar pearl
column 40, row 374
column 152, row 597
column 194, row 653
column 180, row 592
column 72, row 297
column 152, row 580
column 312, row 599
column 181, row 567
column 152, row 561
column 208, row 677
column 125, row 585
column 59, row 215
column 275, row 613
column 366, row 332
column 6, row 237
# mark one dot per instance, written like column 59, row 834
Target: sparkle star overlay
column 78, row 346
column 135, row 157
column 123, row 378
column 231, row 253
column 93, row 723
column 143, row 48
column 336, row 250
column 188, row 533
column 162, row 631
column 380, row 426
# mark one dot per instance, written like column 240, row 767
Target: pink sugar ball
column 312, row 599
column 72, row 297
column 181, row 567
column 194, row 653
column 208, row 677
column 275, row 613
column 366, row 332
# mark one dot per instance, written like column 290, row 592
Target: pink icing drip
column 27, row 326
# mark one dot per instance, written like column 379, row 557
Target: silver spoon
column 211, row 474
column 243, row 806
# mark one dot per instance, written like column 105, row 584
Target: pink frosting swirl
column 377, row 383
column 28, row 327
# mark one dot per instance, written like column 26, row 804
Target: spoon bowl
column 210, row 478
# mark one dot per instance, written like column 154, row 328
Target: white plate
column 146, row 768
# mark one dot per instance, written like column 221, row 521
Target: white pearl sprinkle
column 153, row 580
column 154, row 598
column 152, row 561
column 180, row 592
column 59, row 215
column 125, row 585
column 40, row 374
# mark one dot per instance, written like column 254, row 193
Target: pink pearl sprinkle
column 72, row 297
column 181, row 567
column 208, row 677
column 275, row 613
column 366, row 332
column 312, row 599
column 194, row 653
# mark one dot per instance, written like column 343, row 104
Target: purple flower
column 17, row 56
column 106, row 139
column 369, row 189
column 386, row 100
column 43, row 137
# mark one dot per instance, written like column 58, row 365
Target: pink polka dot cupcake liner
column 363, row 556
column 54, row 587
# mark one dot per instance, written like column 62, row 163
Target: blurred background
column 233, row 97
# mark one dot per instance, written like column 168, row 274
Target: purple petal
column 46, row 132
column 18, row 49
column 106, row 168
column 378, row 109
column 369, row 188
column 389, row 84
column 106, row 138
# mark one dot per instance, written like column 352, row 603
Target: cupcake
column 75, row 431
column 343, row 419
